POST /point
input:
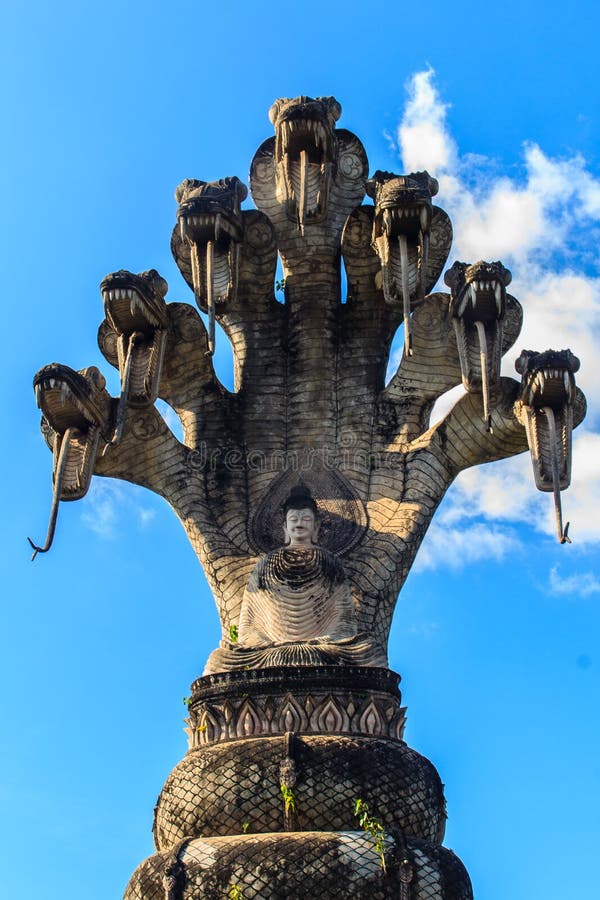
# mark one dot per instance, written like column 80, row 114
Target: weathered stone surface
column 310, row 388
column 304, row 700
column 76, row 418
column 230, row 787
column 297, row 608
column 310, row 406
column 326, row 865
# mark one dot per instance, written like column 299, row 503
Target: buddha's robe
column 297, row 610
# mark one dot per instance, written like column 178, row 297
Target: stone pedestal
column 263, row 803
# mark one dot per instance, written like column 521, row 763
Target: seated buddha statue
column 297, row 609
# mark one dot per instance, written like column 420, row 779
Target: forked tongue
column 485, row 386
column 403, row 246
column 56, row 493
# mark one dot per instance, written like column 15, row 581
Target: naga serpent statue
column 306, row 492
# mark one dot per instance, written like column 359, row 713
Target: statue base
column 323, row 865
column 263, row 805
column 301, row 699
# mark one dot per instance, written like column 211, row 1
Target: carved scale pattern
column 330, row 773
column 318, row 864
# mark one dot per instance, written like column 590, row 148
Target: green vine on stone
column 245, row 827
column 233, row 634
column 235, row 892
column 289, row 798
column 280, row 284
column 187, row 701
column 373, row 827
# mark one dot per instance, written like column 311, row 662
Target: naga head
column 209, row 233
column 305, row 154
column 210, row 210
column 136, row 321
column 402, row 203
column 545, row 408
column 478, row 290
column 478, row 307
column 401, row 236
column 134, row 302
column 76, row 410
column 70, row 399
column 548, row 378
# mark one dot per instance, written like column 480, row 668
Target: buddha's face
column 300, row 528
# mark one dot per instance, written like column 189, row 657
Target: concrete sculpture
column 306, row 492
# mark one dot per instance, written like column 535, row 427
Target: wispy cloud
column 423, row 137
column 99, row 512
column 548, row 207
column 450, row 547
column 544, row 224
column 110, row 504
column 425, row 630
column 582, row 584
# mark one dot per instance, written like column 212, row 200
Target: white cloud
column 110, row 505
column 423, row 138
column 582, row 584
column 582, row 500
column 99, row 511
column 146, row 516
column 171, row 418
column 455, row 548
column 502, row 490
column 544, row 224
column 444, row 404
column 505, row 491
column 552, row 201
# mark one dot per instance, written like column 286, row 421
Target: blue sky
column 106, row 108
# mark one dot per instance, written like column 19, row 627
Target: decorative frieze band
column 320, row 700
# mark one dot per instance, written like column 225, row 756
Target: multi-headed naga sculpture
column 297, row 716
